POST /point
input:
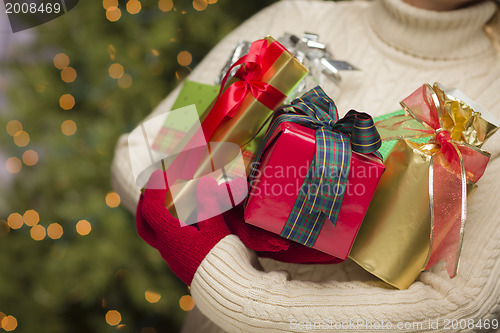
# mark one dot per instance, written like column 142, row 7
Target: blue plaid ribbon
column 322, row 191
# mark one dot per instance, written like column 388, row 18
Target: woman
column 398, row 45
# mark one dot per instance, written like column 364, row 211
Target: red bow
column 254, row 69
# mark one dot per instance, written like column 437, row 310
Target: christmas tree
column 71, row 260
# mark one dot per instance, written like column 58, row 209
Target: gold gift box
column 394, row 240
column 247, row 126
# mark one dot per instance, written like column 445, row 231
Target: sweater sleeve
column 258, row 26
column 232, row 289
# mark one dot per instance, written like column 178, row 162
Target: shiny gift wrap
column 315, row 175
column 418, row 213
column 239, row 113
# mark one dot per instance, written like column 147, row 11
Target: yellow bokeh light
column 9, row 323
column 125, row 81
column 211, row 2
column 15, row 221
column 31, row 217
column 61, row 60
column 13, row 165
column 30, row 157
column 151, row 296
column 184, row 58
column 113, row 13
column 83, row 227
column 133, row 6
column 109, row 3
column 112, row 52
column 116, row 71
column 113, row 199
column 55, row 231
column 68, row 127
column 165, row 5
column 113, row 317
column 186, row 303
column 22, row 139
column 200, row 5
column 67, row 101
column 13, row 127
column 68, row 74
column 155, row 52
column 38, row 232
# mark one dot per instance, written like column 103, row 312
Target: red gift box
column 281, row 173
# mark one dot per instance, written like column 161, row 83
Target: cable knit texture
column 398, row 48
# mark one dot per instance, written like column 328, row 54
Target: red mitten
column 183, row 248
column 213, row 197
column 265, row 243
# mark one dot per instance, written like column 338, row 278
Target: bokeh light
column 68, row 74
column 113, row 199
column 21, row 139
column 55, row 231
column 9, row 323
column 30, row 157
column 83, row 227
column 133, row 6
column 113, row 13
column 155, row 52
column 125, row 81
column 38, row 232
column 186, row 303
column 184, row 58
column 116, row 71
column 15, row 221
column 68, row 127
column 200, row 5
column 152, row 297
column 113, row 317
column 61, row 60
column 165, row 5
column 106, row 4
column 67, row 101
column 111, row 52
column 13, row 127
column 31, row 217
column 13, row 165
column 211, row 2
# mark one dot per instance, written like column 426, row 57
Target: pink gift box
column 280, row 175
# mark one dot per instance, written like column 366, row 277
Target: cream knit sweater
column 398, row 48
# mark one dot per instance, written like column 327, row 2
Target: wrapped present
column 240, row 112
column 324, row 69
column 418, row 212
column 174, row 129
column 315, row 174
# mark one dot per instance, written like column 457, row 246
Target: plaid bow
column 323, row 189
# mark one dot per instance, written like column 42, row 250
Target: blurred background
column 70, row 258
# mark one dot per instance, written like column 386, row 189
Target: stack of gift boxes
column 318, row 179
